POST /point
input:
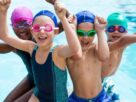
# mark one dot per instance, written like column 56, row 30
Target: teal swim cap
column 117, row 19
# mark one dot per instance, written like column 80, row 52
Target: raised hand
column 4, row 5
column 51, row 1
column 60, row 10
column 100, row 24
column 72, row 20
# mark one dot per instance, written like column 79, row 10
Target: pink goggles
column 46, row 28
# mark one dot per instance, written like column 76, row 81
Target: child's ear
column 56, row 31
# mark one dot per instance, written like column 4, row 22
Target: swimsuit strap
column 34, row 50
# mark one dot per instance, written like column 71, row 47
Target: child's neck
column 46, row 48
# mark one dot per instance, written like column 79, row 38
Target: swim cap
column 117, row 19
column 85, row 16
column 49, row 14
column 21, row 13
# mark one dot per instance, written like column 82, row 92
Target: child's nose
column 42, row 31
column 85, row 37
column 116, row 31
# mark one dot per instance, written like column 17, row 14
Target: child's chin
column 85, row 48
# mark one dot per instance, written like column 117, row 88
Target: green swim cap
column 117, row 19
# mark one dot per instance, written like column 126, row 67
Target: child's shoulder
column 58, row 46
column 58, row 60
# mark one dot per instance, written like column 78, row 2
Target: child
column 86, row 72
column 114, row 45
column 48, row 64
column 118, row 40
column 21, row 20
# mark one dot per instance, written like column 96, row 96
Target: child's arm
column 33, row 98
column 108, row 71
column 12, row 41
column 73, row 47
column 67, row 15
column 20, row 92
column 122, row 42
column 102, row 48
column 5, row 48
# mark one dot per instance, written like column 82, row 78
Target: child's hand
column 51, row 1
column 60, row 10
column 4, row 5
column 72, row 20
column 100, row 24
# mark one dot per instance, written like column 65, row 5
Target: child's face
column 86, row 40
column 115, row 32
column 22, row 30
column 43, row 30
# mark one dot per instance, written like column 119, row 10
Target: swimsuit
column 101, row 97
column 26, row 58
column 50, row 80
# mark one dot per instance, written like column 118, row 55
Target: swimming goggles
column 120, row 29
column 89, row 33
column 46, row 28
column 22, row 25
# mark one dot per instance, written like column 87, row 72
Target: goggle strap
column 56, row 28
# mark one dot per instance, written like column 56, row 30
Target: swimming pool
column 12, row 69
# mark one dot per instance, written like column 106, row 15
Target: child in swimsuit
column 86, row 72
column 118, row 40
column 48, row 62
column 21, row 20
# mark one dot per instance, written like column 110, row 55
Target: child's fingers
column 102, row 20
column 75, row 19
column 4, row 1
column 72, row 18
column 96, row 21
column 69, row 20
column 1, row 2
column 8, row 1
column 51, row 1
column 59, row 6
